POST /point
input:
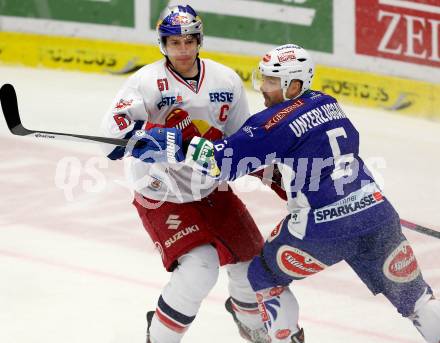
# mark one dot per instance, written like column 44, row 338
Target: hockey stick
column 419, row 228
column 8, row 99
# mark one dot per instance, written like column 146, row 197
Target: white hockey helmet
column 288, row 62
column 178, row 20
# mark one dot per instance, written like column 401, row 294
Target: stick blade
column 8, row 99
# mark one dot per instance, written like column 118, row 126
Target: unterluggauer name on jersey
column 316, row 117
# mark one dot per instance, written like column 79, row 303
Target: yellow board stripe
column 72, row 53
column 385, row 92
column 100, row 56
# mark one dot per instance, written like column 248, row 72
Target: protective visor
column 263, row 83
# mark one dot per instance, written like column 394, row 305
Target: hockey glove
column 200, row 156
column 158, row 145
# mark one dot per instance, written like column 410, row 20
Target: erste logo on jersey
column 401, row 266
column 297, row 263
column 169, row 101
column 221, row 96
column 280, row 115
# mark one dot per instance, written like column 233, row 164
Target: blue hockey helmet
column 176, row 21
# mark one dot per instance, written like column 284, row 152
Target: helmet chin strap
column 285, row 88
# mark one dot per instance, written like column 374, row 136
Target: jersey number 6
column 342, row 162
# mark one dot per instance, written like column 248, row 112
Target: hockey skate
column 298, row 337
column 150, row 315
column 254, row 336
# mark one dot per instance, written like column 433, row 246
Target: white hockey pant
column 191, row 282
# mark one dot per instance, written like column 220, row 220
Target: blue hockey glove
column 200, row 156
column 158, row 145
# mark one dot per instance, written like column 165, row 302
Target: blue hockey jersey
column 331, row 193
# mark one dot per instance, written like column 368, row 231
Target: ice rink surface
column 76, row 265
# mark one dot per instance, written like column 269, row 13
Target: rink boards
column 403, row 96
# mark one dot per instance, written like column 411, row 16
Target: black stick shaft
column 419, row 228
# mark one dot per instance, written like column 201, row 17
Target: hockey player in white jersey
column 195, row 229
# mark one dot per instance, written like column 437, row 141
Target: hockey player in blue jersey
column 336, row 210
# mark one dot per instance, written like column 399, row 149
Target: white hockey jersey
column 216, row 101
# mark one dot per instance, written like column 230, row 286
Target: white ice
column 76, row 265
